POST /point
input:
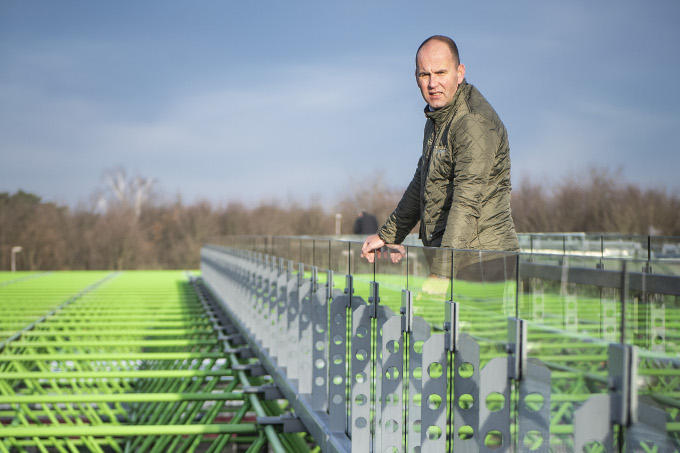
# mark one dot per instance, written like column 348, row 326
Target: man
column 461, row 188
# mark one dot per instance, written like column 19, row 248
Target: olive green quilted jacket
column 461, row 189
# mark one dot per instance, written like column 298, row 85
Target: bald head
column 450, row 43
column 438, row 71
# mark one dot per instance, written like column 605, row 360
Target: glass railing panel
column 665, row 266
column 484, row 286
column 294, row 251
column 361, row 270
column 652, row 312
column 428, row 279
column 322, row 256
column 658, row 402
column 665, row 247
column 625, row 246
column 564, row 341
column 577, row 365
column 307, row 252
column 281, row 247
column 390, row 274
column 339, row 262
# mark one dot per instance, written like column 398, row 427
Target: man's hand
column 371, row 244
column 397, row 252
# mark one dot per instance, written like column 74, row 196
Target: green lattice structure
column 123, row 362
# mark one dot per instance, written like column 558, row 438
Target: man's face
column 437, row 74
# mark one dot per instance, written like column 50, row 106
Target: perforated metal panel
column 382, row 315
column 465, row 404
column 280, row 350
column 390, row 422
column 337, row 364
column 649, row 433
column 320, row 358
column 433, row 402
column 494, row 425
column 293, row 327
column 419, row 334
column 360, row 375
column 534, row 408
column 304, row 343
column 588, row 429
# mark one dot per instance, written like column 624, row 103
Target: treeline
column 130, row 231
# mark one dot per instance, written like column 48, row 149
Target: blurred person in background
column 365, row 224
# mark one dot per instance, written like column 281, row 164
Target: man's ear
column 461, row 73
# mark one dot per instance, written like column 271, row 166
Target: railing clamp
column 234, row 338
column 622, row 384
column 329, row 285
column 268, row 391
column 349, row 285
column 517, row 348
column 254, row 369
column 243, row 352
column 406, row 311
column 288, row 423
column 314, row 280
column 451, row 320
column 373, row 299
column 301, row 274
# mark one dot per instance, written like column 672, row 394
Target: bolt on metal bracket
column 268, row 391
column 451, row 325
column 287, row 423
column 373, row 299
column 349, row 285
column 622, row 376
column 254, row 369
column 329, row 284
column 517, row 348
column 235, row 339
column 314, row 280
column 406, row 311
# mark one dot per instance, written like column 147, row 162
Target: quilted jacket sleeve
column 406, row 215
column 475, row 142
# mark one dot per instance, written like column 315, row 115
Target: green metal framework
column 132, row 361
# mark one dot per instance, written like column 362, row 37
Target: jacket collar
column 441, row 115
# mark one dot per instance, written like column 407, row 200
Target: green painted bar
column 111, row 343
column 113, row 356
column 125, row 430
column 122, row 333
column 114, row 374
column 119, row 398
column 122, row 325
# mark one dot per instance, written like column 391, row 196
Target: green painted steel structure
column 123, row 362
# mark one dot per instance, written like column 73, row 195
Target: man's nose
column 432, row 82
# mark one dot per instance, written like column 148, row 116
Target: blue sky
column 279, row 100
